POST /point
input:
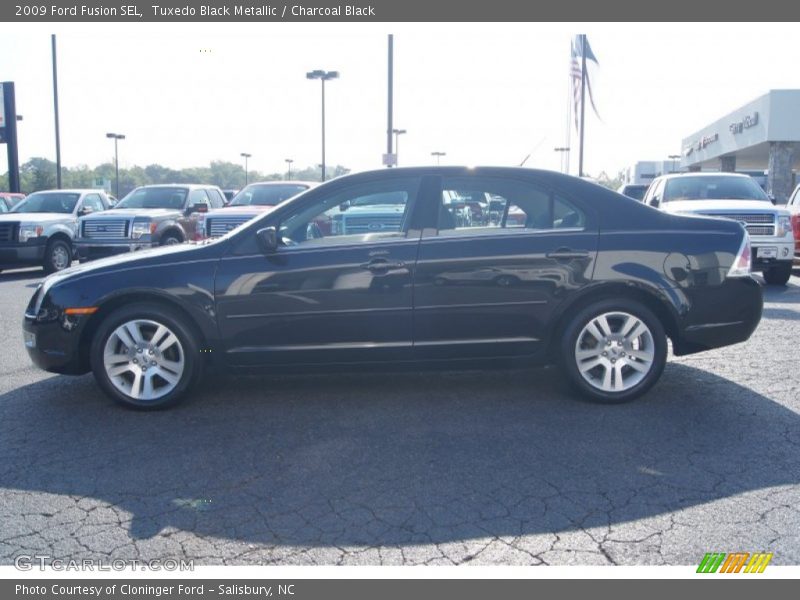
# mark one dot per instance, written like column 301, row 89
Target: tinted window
column 216, row 198
column 55, row 202
column 94, row 202
column 475, row 206
column 711, row 187
column 359, row 214
column 266, row 194
column 198, row 197
column 154, row 197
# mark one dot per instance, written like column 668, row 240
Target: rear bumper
column 720, row 316
column 28, row 253
column 88, row 250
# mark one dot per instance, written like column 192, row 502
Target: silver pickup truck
column 41, row 229
column 739, row 198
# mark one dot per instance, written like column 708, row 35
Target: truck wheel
column 145, row 356
column 57, row 256
column 778, row 275
column 170, row 239
column 613, row 351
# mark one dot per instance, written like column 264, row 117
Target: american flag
column 578, row 44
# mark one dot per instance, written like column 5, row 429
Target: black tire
column 778, row 275
column 57, row 256
column 170, row 240
column 568, row 351
column 160, row 314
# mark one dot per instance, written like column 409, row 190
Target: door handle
column 381, row 264
column 567, row 253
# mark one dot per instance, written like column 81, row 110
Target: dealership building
column 763, row 135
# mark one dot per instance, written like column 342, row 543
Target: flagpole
column 583, row 103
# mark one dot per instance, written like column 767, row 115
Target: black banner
column 377, row 11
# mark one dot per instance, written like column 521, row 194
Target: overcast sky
column 185, row 94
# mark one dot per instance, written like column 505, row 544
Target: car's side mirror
column 772, row 199
column 267, row 239
column 85, row 210
column 655, row 202
column 344, row 206
column 197, row 208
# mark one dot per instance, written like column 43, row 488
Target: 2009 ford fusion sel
column 580, row 276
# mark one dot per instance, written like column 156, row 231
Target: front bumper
column 720, row 315
column 22, row 253
column 780, row 252
column 91, row 249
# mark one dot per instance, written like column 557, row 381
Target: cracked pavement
column 485, row 467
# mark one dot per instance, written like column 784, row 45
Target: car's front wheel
column 778, row 275
column 145, row 356
column 614, row 350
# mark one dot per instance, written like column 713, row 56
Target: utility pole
column 55, row 109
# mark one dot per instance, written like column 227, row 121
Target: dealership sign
column 746, row 123
column 701, row 143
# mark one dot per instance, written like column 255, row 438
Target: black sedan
column 569, row 273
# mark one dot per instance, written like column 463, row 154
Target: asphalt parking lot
column 435, row 468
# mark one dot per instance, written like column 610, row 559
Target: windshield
column 713, row 188
column 266, row 195
column 58, row 202
column 382, row 198
column 154, row 197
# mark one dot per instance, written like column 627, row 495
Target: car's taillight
column 796, row 226
column 743, row 263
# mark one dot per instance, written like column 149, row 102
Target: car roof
column 705, row 174
column 71, row 191
column 178, row 185
column 282, row 182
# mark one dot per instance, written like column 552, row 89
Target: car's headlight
column 783, row 225
column 28, row 231
column 141, row 228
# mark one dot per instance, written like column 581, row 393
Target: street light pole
column 116, row 137
column 397, row 133
column 438, row 156
column 246, row 156
column 289, row 162
column 562, row 150
column 674, row 157
column 323, row 76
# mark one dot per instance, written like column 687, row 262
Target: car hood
column 721, row 206
column 246, row 210
column 35, row 217
column 130, row 213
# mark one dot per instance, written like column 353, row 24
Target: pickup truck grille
column 217, row 226
column 758, row 224
column 376, row 224
column 8, row 232
column 105, row 229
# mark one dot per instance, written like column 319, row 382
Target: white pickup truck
column 737, row 197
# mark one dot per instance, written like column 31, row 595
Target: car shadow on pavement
column 384, row 460
column 35, row 275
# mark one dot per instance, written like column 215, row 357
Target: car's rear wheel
column 614, row 350
column 778, row 275
column 145, row 356
column 57, row 256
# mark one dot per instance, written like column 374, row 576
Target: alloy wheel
column 144, row 359
column 615, row 351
